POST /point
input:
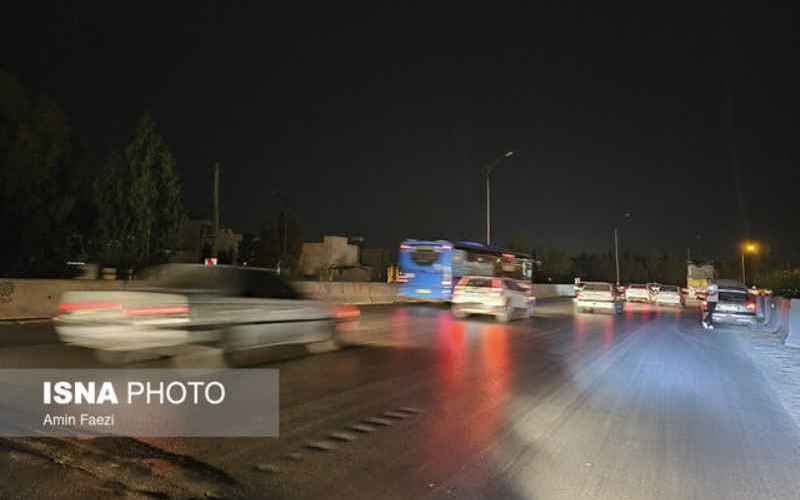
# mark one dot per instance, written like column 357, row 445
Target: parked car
column 599, row 295
column 670, row 295
column 736, row 306
column 637, row 293
column 503, row 298
column 240, row 309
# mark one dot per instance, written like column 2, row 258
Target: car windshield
column 597, row 287
column 670, row 289
column 637, row 287
column 479, row 283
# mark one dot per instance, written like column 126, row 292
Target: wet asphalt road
column 641, row 405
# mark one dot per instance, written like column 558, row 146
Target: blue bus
column 430, row 269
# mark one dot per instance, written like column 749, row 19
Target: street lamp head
column 750, row 247
column 509, row 154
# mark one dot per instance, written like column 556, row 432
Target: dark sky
column 374, row 120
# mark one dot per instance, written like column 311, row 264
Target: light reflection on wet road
column 640, row 405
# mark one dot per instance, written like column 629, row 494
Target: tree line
column 59, row 201
column 659, row 266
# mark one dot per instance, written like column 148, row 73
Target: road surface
column 420, row 405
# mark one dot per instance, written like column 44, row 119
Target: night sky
column 375, row 120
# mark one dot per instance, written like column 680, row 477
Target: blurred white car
column 637, row 293
column 670, row 295
column 503, row 298
column 240, row 309
column 599, row 295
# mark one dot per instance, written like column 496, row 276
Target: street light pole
column 284, row 256
column 488, row 211
column 748, row 247
column 616, row 244
column 489, row 167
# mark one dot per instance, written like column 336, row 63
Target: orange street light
column 747, row 247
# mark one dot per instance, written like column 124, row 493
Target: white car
column 243, row 310
column 599, row 295
column 735, row 306
column 670, row 295
column 637, row 293
column 503, row 298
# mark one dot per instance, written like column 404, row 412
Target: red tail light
column 751, row 306
column 157, row 311
column 347, row 312
column 66, row 308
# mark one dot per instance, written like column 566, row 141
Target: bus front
column 426, row 270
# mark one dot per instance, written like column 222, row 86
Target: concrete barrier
column 382, row 293
column 33, row 299
column 346, row 292
column 793, row 331
column 548, row 290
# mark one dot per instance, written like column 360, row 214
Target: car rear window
column 265, row 285
column 732, row 297
column 673, row 289
column 479, row 283
column 597, row 287
column 223, row 280
column 638, row 287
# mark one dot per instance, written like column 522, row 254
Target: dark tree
column 138, row 196
column 39, row 178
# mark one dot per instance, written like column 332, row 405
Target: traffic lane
column 23, row 333
column 35, row 344
column 323, row 391
column 642, row 405
column 672, row 412
column 464, row 375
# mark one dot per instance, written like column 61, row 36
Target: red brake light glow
column 157, row 311
column 347, row 312
column 66, row 308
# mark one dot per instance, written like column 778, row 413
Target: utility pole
column 616, row 252
column 488, row 170
column 215, row 247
